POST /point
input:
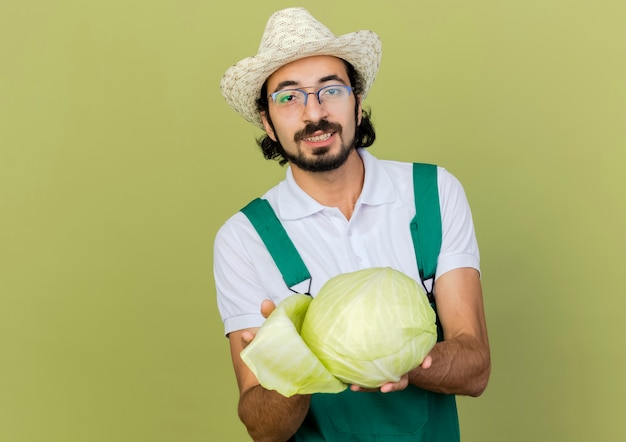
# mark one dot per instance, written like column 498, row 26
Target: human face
column 319, row 138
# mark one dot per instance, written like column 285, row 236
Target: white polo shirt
column 377, row 235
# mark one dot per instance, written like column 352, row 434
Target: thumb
column 267, row 307
column 427, row 362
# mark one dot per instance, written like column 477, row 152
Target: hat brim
column 241, row 84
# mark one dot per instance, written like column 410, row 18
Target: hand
column 267, row 307
column 388, row 387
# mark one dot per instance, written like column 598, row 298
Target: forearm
column 459, row 366
column 269, row 416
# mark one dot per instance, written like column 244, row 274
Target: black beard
column 322, row 161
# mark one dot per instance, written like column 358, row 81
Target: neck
column 336, row 188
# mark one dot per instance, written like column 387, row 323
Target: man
column 344, row 210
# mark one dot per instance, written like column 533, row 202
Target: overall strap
column 426, row 225
column 426, row 228
column 278, row 243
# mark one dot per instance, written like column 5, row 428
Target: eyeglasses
column 291, row 102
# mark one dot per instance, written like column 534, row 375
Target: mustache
column 311, row 128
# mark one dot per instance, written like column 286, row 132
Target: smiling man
column 343, row 210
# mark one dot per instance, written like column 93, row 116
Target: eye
column 286, row 97
column 333, row 91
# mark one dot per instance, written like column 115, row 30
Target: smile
column 318, row 138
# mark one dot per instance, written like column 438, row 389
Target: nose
column 313, row 109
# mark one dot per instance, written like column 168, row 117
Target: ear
column 359, row 110
column 268, row 127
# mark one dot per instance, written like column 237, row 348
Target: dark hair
column 364, row 135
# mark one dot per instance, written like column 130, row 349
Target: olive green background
column 119, row 160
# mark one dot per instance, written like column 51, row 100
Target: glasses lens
column 333, row 94
column 288, row 97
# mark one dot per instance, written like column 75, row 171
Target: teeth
column 322, row 137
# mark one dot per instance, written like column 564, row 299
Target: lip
column 320, row 139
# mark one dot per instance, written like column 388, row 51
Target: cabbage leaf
column 281, row 360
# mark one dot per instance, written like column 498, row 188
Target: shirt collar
column 294, row 203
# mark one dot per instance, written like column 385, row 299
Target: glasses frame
column 273, row 95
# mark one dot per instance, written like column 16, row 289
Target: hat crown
column 293, row 28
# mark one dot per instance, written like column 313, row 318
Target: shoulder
column 401, row 173
column 238, row 224
column 451, row 189
column 234, row 234
column 402, row 170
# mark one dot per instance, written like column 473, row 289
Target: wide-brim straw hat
column 292, row 34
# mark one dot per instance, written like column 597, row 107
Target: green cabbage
column 370, row 326
column 366, row 328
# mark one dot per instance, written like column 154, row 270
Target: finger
column 246, row 338
column 267, row 307
column 427, row 362
column 392, row 386
column 395, row 386
column 357, row 388
column 387, row 388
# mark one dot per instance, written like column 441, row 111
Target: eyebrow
column 287, row 83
